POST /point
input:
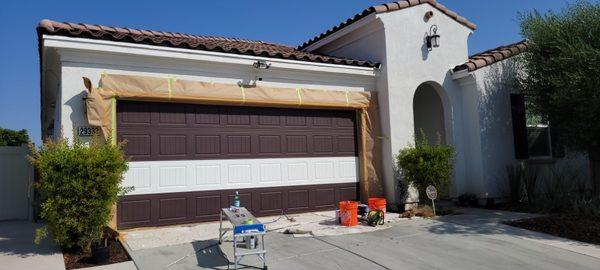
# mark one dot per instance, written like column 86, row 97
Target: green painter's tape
column 299, row 93
column 170, row 81
column 114, row 121
column 243, row 94
column 347, row 99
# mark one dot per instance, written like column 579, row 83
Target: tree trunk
column 594, row 156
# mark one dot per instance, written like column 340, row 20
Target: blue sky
column 287, row 22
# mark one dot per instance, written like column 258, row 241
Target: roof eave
column 385, row 8
column 340, row 33
column 194, row 42
column 77, row 43
column 493, row 56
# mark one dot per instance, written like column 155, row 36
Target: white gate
column 16, row 179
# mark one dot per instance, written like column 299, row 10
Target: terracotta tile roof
column 489, row 57
column 388, row 7
column 206, row 43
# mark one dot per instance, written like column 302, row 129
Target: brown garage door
column 167, row 131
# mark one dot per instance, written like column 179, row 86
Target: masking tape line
column 114, row 121
column 347, row 99
column 243, row 94
column 170, row 81
column 299, row 93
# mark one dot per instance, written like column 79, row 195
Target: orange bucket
column 349, row 213
column 377, row 204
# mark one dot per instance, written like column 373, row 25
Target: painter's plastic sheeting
column 100, row 108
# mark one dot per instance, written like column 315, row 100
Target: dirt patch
column 421, row 211
column 80, row 259
column 580, row 228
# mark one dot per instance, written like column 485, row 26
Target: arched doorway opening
column 428, row 112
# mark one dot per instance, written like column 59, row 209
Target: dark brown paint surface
column 187, row 207
column 168, row 131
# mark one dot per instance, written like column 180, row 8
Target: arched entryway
column 428, row 111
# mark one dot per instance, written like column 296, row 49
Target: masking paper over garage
column 100, row 107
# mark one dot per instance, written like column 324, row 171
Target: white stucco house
column 187, row 159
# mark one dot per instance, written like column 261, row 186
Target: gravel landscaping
column 580, row 228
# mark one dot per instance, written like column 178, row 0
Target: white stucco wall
column 494, row 84
column 397, row 40
column 410, row 65
column 76, row 64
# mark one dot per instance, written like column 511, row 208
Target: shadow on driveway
column 478, row 222
column 18, row 250
column 209, row 255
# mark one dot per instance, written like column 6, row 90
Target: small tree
column 425, row 164
column 79, row 185
column 562, row 75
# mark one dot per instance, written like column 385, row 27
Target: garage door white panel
column 138, row 177
column 297, row 172
column 239, row 174
column 172, row 176
column 149, row 177
column 347, row 169
column 324, row 170
column 270, row 172
column 209, row 174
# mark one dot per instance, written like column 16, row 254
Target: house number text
column 88, row 131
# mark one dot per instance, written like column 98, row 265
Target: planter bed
column 78, row 259
column 575, row 227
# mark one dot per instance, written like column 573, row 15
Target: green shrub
column 515, row 175
column 468, row 199
column 425, row 164
column 10, row 137
column 563, row 190
column 586, row 206
column 78, row 186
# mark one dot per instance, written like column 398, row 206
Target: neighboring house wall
column 16, row 183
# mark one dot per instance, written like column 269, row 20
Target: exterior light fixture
column 261, row 64
column 433, row 39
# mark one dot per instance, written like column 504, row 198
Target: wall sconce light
column 433, row 39
column 261, row 64
column 428, row 15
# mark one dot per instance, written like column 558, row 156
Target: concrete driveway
column 18, row 251
column 474, row 240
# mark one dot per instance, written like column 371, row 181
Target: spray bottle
column 236, row 200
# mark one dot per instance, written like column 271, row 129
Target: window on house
column 532, row 134
column 538, row 141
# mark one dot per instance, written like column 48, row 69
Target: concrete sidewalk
column 474, row 240
column 18, row 251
